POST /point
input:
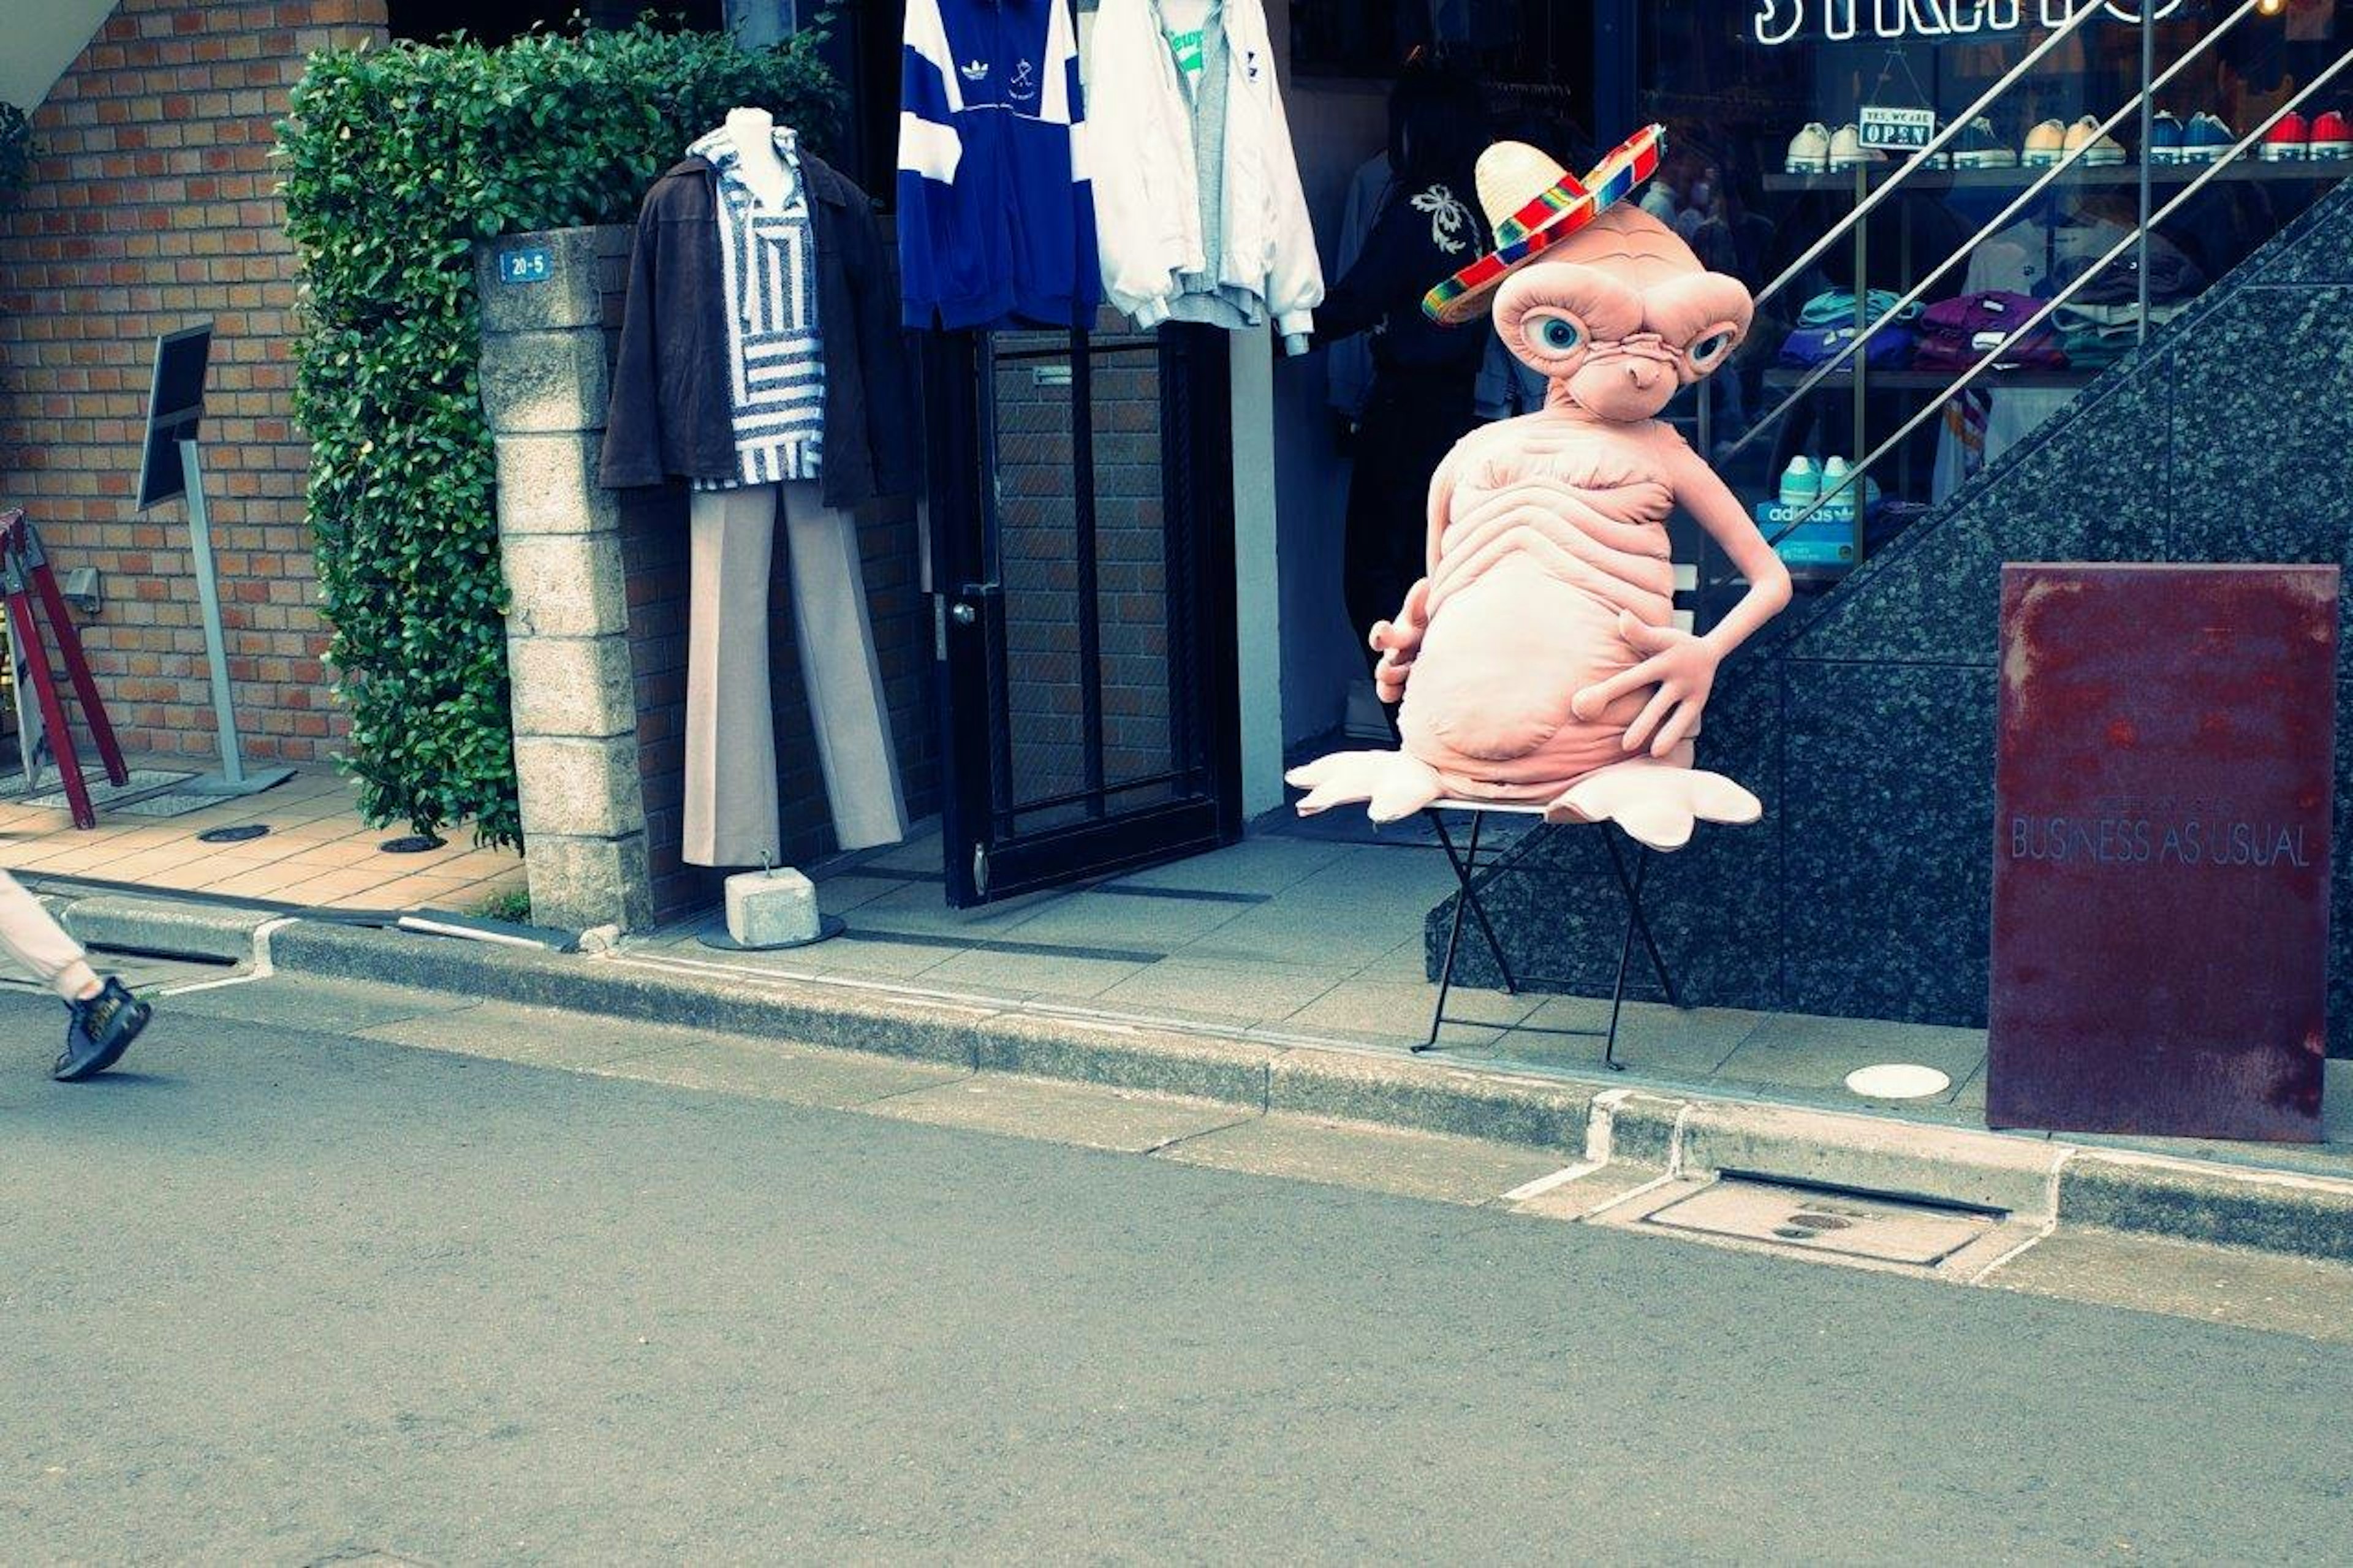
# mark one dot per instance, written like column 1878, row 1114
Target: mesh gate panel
column 1082, row 704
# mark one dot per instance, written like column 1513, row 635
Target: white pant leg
column 730, row 815
column 35, row 939
column 847, row 707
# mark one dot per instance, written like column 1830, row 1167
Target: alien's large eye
column 1709, row 347
column 1558, row 334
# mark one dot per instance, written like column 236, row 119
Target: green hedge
column 16, row 155
column 397, row 161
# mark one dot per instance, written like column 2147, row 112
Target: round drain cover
column 237, row 834
column 1897, row 1080
column 415, row 844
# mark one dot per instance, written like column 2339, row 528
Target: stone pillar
column 762, row 24
column 543, row 380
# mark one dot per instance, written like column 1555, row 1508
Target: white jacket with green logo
column 1234, row 253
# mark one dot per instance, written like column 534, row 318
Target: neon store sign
column 1778, row 21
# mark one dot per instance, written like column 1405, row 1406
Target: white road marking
column 1543, row 1184
column 262, row 968
column 2050, row 1224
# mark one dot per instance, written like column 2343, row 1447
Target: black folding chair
column 1473, row 878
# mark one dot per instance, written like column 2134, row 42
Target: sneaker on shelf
column 2106, row 153
column 1838, row 505
column 2287, row 141
column 2164, row 140
column 1847, row 150
column 2207, row 139
column 1800, row 482
column 2332, row 137
column 1977, row 147
column 1810, row 150
column 2045, row 145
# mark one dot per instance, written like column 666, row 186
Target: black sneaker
column 1977, row 147
column 100, row 1031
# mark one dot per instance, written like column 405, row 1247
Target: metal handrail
column 1936, row 144
column 1992, row 226
column 1993, row 356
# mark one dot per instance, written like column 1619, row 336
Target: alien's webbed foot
column 1391, row 784
column 1656, row 803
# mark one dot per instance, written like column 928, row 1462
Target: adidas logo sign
column 976, row 70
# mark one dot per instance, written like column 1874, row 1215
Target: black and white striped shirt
column 777, row 360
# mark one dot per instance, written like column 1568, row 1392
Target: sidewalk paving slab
column 325, row 1003
column 2281, row 1293
column 540, row 1036
column 1092, row 1115
column 1378, row 1158
column 319, row 851
column 834, row 1080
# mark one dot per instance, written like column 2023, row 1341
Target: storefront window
column 1761, row 100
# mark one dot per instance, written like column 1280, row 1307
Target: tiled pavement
column 1307, row 937
column 318, row 852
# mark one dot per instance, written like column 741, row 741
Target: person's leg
column 37, row 943
column 104, row 1016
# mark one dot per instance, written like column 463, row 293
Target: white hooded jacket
column 1257, row 257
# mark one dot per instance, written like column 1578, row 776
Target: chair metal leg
column 1641, row 923
column 1462, row 899
column 1625, row 958
column 1466, row 872
column 1634, row 924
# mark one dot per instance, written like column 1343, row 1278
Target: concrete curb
column 1589, row 1123
column 171, row 928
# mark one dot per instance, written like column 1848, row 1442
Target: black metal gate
column 1081, row 493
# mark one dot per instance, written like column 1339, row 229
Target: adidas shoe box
column 1827, row 541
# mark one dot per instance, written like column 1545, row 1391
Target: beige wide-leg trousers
column 731, row 739
column 34, row 939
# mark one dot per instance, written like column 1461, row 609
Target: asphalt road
column 282, row 1296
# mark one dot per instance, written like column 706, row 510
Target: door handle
column 966, row 610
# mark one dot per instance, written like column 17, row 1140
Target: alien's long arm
column 1711, row 502
column 1682, row 665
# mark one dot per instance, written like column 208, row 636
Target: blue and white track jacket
column 996, row 215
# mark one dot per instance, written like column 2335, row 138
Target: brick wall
column 150, row 209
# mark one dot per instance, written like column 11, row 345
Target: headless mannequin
column 731, row 807
column 754, row 131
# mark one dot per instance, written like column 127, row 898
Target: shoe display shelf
column 1783, row 377
column 1855, row 392
column 1846, row 180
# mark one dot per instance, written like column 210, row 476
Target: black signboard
column 175, row 407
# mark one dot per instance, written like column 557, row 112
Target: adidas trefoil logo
column 976, row 70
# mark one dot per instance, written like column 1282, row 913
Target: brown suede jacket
column 669, row 415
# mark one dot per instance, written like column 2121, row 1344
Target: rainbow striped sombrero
column 1526, row 227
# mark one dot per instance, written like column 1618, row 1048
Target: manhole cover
column 1884, row 1229
column 415, row 844
column 237, row 834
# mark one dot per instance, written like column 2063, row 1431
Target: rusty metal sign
column 2163, row 792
